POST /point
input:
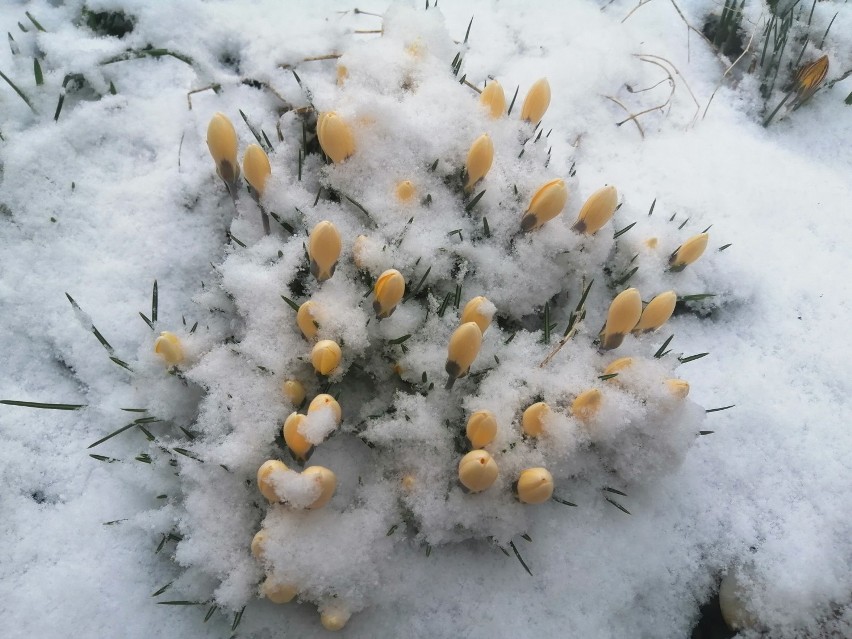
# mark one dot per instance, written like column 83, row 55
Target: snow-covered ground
column 120, row 191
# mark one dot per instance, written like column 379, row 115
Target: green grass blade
column 13, row 402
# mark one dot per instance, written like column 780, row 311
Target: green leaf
column 617, row 505
column 291, row 303
column 474, row 201
column 39, row 76
column 691, row 358
column 662, row 350
column 716, row 410
column 155, row 305
column 521, row 559
column 35, row 22
column 22, row 95
column 14, row 402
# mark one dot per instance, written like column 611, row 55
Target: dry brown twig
column 631, row 118
column 559, row 346
column 644, row 57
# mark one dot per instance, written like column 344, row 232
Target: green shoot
column 13, row 402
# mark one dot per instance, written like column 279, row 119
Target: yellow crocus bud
column 587, row 404
column 478, row 310
column 481, row 428
column 334, row 616
column 494, row 99
column 479, row 159
column 325, row 401
column 168, row 346
column 809, row 77
column 597, row 210
column 462, row 350
column 294, row 391
column 657, row 313
column 405, row 191
column 624, row 314
column 536, row 102
column 335, row 137
column 324, row 250
column 327, row 481
column 325, row 356
column 477, row 471
column 408, row 483
column 258, row 543
column 535, row 486
column 688, row 252
column 342, row 74
column 652, row 242
column 306, row 319
column 618, row 365
column 256, row 167
column 264, row 473
column 678, row 387
column 296, row 442
column 388, row 292
column 277, row 592
column 532, row 421
column 545, row 205
column 222, row 142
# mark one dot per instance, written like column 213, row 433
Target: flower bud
column 678, row 387
column 624, row 314
column 327, row 481
column 277, row 592
column 325, row 401
column 493, row 98
column 334, row 616
column 222, row 142
column 462, row 350
column 258, row 543
column 405, row 191
column 324, row 250
column 477, row 471
column 658, row 312
column 688, row 252
column 536, row 102
column 597, row 210
column 532, row 421
column 535, row 486
column 168, row 346
column 587, row 404
column 256, row 168
column 342, row 74
column 296, row 442
column 618, row 365
column 264, row 481
column 809, row 77
column 325, row 356
column 481, row 428
column 335, row 137
column 306, row 319
column 478, row 310
column 479, row 159
column 388, row 292
column 408, row 482
column 545, row 205
column 294, row 391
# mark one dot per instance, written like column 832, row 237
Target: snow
column 120, row 191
